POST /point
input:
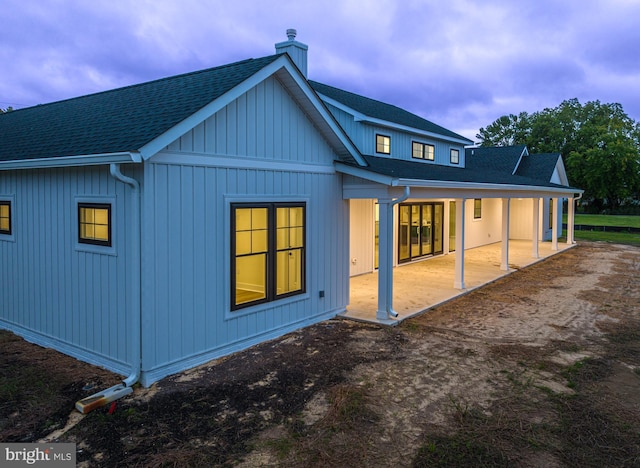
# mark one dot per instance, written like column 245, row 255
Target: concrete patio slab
column 424, row 284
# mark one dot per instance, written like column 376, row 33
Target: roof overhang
column 446, row 188
column 360, row 117
column 67, row 161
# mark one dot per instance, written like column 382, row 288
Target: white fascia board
column 416, row 131
column 525, row 152
column 207, row 111
column 364, row 174
column 481, row 186
column 324, row 112
column 562, row 173
column 68, row 161
column 359, row 117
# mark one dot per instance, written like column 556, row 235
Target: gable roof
column 539, row 165
column 504, row 159
column 119, row 120
column 383, row 111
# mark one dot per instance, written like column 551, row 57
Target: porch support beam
column 504, row 264
column 535, row 235
column 554, row 224
column 458, row 281
column 385, row 310
column 571, row 208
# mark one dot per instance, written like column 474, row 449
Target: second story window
column 454, row 156
column 423, row 151
column 383, row 144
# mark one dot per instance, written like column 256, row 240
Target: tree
column 506, row 131
column 600, row 144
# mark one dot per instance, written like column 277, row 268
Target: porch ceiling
column 422, row 285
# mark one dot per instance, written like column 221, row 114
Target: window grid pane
column 455, row 156
column 94, row 224
column 477, row 208
column 417, row 150
column 5, row 217
column 268, row 255
column 429, row 152
column 383, row 144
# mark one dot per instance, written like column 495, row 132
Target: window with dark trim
column 477, row 208
column 94, row 223
column 267, row 252
column 454, row 156
column 423, row 151
column 383, row 144
column 5, row 217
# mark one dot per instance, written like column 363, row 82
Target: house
column 152, row 228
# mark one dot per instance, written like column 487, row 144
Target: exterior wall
column 487, row 229
column 259, row 148
column 56, row 292
column 521, row 219
column 362, row 232
column 364, row 137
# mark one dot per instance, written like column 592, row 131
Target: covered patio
column 424, row 284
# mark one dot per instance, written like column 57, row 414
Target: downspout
column 390, row 311
column 117, row 391
column 136, row 310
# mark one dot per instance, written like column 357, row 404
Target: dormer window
column 454, row 156
column 383, row 144
column 423, row 151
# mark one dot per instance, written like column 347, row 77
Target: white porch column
column 554, row 225
column 570, row 220
column 504, row 264
column 445, row 228
column 385, row 259
column 535, row 235
column 458, row 281
column 385, row 256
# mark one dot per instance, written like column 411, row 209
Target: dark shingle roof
column 404, row 169
column 119, row 120
column 539, row 165
column 497, row 158
column 382, row 111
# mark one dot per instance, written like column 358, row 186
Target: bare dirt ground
column 541, row 368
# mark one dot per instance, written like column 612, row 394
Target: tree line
column 600, row 145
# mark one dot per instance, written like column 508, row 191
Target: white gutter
column 117, row 391
column 66, row 161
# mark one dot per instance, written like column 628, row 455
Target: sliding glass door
column 419, row 230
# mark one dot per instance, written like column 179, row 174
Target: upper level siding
column 265, row 122
column 363, row 135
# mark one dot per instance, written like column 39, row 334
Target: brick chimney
column 296, row 50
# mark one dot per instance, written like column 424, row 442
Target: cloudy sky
column 458, row 63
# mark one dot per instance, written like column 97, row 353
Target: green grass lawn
column 607, row 220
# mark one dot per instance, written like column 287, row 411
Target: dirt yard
column 541, row 368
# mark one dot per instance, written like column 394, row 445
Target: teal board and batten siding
column 55, row 292
column 364, row 136
column 261, row 147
